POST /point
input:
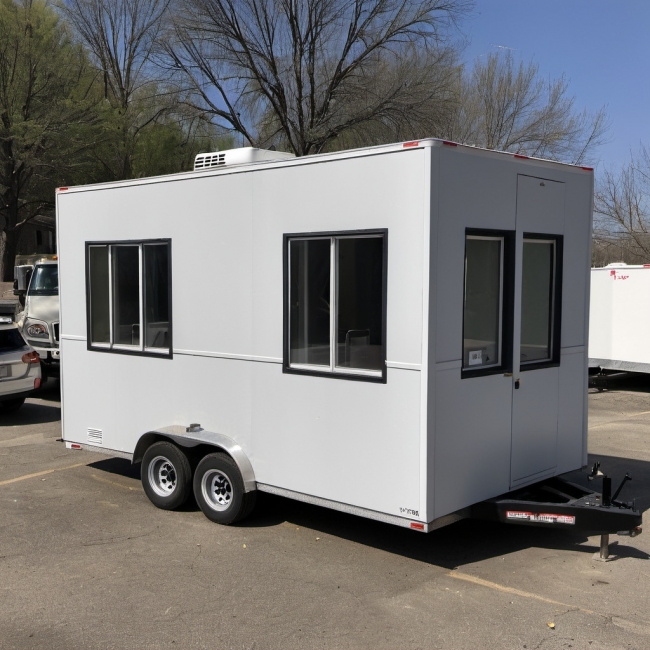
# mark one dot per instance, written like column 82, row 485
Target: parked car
column 20, row 368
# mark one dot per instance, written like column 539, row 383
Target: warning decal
column 540, row 517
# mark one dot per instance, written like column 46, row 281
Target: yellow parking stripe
column 514, row 592
column 43, row 473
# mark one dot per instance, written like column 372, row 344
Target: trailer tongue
column 558, row 502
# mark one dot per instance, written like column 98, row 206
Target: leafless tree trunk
column 302, row 72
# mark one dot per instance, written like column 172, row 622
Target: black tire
column 12, row 405
column 219, row 490
column 166, row 475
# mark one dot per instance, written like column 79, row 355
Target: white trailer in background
column 398, row 332
column 619, row 338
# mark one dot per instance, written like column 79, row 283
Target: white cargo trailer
column 398, row 332
column 619, row 315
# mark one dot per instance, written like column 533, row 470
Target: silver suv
column 20, row 368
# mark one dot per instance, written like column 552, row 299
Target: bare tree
column 306, row 71
column 507, row 106
column 622, row 211
column 48, row 121
column 121, row 35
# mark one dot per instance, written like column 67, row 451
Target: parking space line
column 43, row 473
column 516, row 592
column 102, row 479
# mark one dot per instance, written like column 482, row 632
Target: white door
column 536, row 328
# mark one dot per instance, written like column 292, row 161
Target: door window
column 540, row 300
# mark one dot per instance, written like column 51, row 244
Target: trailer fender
column 184, row 438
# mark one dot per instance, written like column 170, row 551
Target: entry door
column 536, row 328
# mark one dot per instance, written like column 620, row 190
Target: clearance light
column 588, row 169
column 74, row 445
column 449, row 143
column 416, row 526
column 30, row 357
column 61, row 189
column 518, row 155
column 37, row 383
column 413, row 143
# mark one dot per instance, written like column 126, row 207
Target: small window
column 335, row 291
column 540, row 300
column 483, row 309
column 129, row 296
column 487, row 302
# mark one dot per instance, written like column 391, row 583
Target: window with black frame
column 129, row 296
column 335, row 315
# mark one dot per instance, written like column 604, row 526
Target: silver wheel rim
column 162, row 476
column 217, row 490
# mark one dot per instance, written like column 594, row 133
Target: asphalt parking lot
column 87, row 562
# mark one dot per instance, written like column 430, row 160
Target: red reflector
column 588, row 169
column 74, row 445
column 518, row 155
column 30, row 357
column 417, row 526
column 37, row 382
column 414, row 143
column 449, row 143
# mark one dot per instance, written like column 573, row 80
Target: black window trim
column 507, row 303
column 333, row 374
column 122, row 350
column 556, row 316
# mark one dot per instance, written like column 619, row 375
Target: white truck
column 37, row 284
column 398, row 332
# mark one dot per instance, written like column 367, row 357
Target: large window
column 335, row 304
column 129, row 296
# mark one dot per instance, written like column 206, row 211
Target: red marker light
column 413, row 143
column 37, row 383
column 74, row 445
column 518, row 155
column 416, row 526
column 449, row 143
column 588, row 169
column 61, row 189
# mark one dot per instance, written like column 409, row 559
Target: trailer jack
column 561, row 504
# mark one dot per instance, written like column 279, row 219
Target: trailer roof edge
column 409, row 145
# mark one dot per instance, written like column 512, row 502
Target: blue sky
column 601, row 46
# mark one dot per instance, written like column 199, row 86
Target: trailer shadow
column 449, row 547
column 31, row 413
column 636, row 382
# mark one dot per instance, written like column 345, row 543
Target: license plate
column 4, row 371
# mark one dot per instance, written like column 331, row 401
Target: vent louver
column 95, row 436
column 209, row 160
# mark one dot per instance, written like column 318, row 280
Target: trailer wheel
column 219, row 490
column 166, row 475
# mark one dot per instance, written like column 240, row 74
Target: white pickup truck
column 39, row 321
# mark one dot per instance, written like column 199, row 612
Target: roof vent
column 240, row 156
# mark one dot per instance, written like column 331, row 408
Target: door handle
column 517, row 383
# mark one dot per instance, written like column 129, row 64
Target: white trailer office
column 619, row 316
column 398, row 331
